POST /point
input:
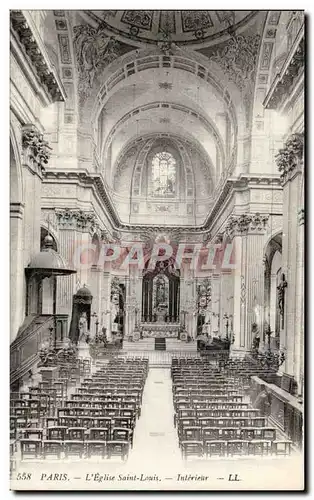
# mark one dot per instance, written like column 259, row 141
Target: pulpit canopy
column 48, row 262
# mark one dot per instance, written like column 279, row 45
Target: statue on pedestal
column 83, row 331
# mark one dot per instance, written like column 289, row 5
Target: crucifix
column 281, row 297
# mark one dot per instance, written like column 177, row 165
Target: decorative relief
column 245, row 223
column 37, row 148
column 263, row 79
column 167, row 21
column 285, row 80
column 94, row 50
column 67, row 73
column 64, row 49
column 274, row 17
column 238, row 58
column 204, row 296
column 266, row 55
column 193, row 20
column 301, row 216
column 164, row 208
column 61, row 25
column 76, row 219
column 290, row 156
column 165, row 85
column 33, row 51
column 139, row 18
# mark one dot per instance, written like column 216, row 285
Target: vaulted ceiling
column 185, row 74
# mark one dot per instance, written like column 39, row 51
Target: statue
column 114, row 313
column 83, row 332
column 281, row 298
column 256, row 337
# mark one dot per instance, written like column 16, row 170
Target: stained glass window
column 164, row 174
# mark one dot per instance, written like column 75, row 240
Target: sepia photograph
column 157, row 250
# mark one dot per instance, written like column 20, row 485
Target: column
column 290, row 163
column 255, row 284
column 105, row 301
column 17, row 280
column 215, row 304
column 96, row 276
column 67, row 285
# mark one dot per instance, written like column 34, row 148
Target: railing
column 24, row 349
column 286, row 410
column 152, row 318
column 162, row 357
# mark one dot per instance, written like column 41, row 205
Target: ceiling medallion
column 165, row 85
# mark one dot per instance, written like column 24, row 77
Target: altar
column 160, row 330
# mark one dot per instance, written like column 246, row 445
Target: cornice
column 24, row 33
column 292, row 69
column 97, row 181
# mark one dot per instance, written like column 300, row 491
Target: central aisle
column 155, row 437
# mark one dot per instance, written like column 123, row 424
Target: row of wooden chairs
column 64, row 433
column 220, row 448
column 40, row 449
column 197, row 433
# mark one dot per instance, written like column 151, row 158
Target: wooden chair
column 118, row 448
column 281, row 447
column 259, row 447
column 30, row 448
column 123, row 422
column 96, row 448
column 237, row 447
column 210, row 433
column 57, row 433
column 52, row 448
column 257, row 421
column 32, row 433
column 269, row 433
column 73, row 448
column 214, row 448
column 191, row 448
column 248, row 433
column 76, row 434
column 191, row 433
column 98, row 434
column 122, row 434
column 229, row 433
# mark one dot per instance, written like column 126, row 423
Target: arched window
column 164, row 174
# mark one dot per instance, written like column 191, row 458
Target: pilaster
column 247, row 234
column 290, row 163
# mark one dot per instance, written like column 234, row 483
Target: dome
column 84, row 292
column 50, row 262
column 186, row 27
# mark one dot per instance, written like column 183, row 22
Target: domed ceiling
column 184, row 27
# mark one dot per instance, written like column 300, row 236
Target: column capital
column 76, row 219
column 289, row 159
column 241, row 225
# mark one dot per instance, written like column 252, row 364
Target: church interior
column 156, row 240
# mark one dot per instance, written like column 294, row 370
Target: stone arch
column 272, row 273
column 17, row 277
column 44, row 231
